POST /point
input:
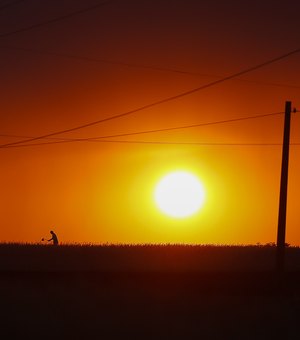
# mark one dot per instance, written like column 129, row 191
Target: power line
column 105, row 61
column 182, row 127
column 162, row 101
column 100, row 138
column 150, row 143
column 189, row 126
column 140, row 66
column 10, row 4
column 59, row 18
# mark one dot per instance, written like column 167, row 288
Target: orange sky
column 98, row 192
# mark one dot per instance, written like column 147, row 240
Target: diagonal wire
column 140, row 66
column 176, row 128
column 183, row 127
column 159, row 102
column 60, row 18
column 103, row 138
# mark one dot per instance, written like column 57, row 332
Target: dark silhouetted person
column 54, row 238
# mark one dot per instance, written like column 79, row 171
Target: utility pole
column 280, row 251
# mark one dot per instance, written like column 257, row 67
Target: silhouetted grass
column 142, row 258
column 147, row 292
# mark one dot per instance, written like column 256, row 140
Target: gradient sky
column 103, row 192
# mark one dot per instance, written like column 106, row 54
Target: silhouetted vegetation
column 147, row 292
column 163, row 257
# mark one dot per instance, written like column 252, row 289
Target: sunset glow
column 99, row 108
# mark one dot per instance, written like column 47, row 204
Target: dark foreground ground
column 146, row 304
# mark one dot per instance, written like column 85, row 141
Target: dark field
column 148, row 292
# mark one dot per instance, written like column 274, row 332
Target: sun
column 179, row 194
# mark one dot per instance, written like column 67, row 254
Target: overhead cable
column 139, row 66
column 59, row 18
column 57, row 140
column 182, row 127
column 162, row 101
column 150, row 143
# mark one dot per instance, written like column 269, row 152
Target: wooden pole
column 280, row 263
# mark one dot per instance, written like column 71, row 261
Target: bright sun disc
column 179, row 194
